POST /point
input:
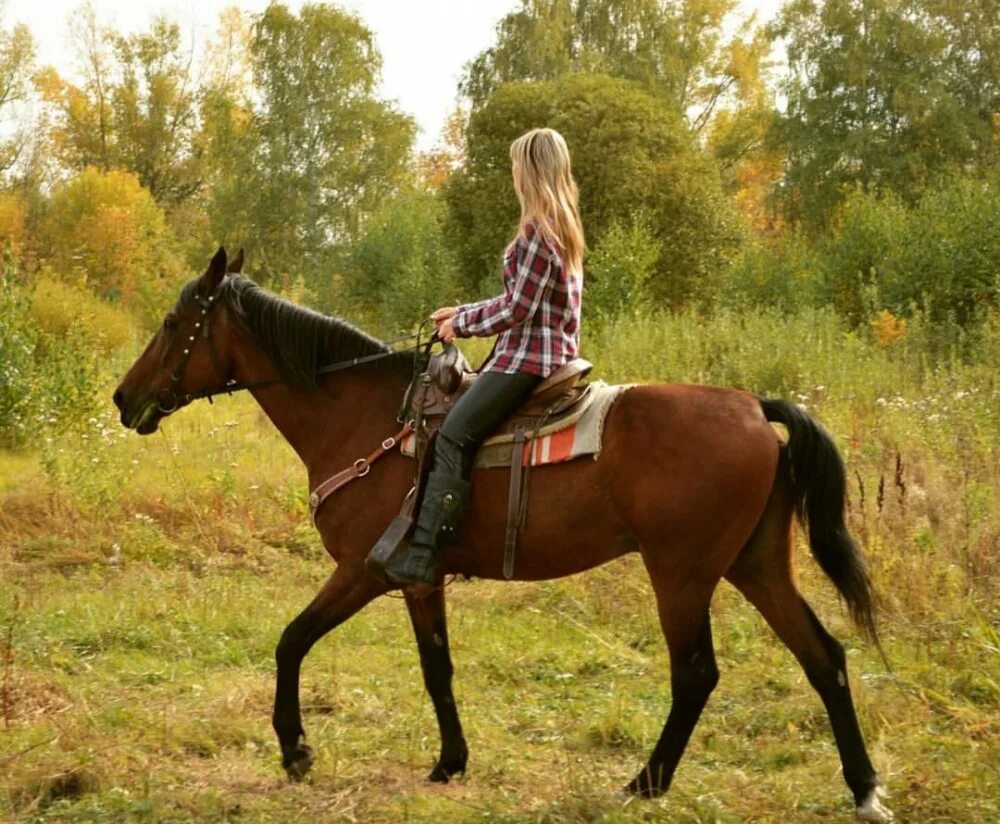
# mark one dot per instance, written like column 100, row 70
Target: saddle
column 446, row 378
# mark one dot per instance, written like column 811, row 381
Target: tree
column 403, row 266
column 632, row 155
column 137, row 108
column 675, row 49
column 323, row 151
column 105, row 229
column 17, row 55
column 876, row 98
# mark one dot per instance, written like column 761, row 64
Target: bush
column 107, row 229
column 782, row 275
column 62, row 310
column 13, row 218
column 17, row 347
column 618, row 271
column 947, row 258
column 45, row 379
column 403, row 267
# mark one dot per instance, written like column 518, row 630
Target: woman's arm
column 531, row 282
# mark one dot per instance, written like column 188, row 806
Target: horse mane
column 300, row 340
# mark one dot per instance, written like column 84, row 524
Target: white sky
column 424, row 43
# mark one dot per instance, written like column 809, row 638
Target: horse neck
column 351, row 413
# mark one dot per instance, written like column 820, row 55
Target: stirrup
column 388, row 545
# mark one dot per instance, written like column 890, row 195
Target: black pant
column 490, row 400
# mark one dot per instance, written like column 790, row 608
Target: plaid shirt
column 537, row 316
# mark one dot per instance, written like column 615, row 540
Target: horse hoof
column 299, row 762
column 641, row 787
column 444, row 770
column 872, row 809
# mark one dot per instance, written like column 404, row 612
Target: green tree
column 403, row 266
column 875, row 99
column 321, row 151
column 631, row 154
column 676, row 49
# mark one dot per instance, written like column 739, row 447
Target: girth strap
column 514, row 504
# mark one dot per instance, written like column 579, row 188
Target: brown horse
column 693, row 478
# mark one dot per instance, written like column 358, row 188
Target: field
column 144, row 584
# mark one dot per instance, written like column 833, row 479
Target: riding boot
column 445, row 501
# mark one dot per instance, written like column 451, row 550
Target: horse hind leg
column 684, row 618
column 762, row 573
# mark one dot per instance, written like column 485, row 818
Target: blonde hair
column 544, row 184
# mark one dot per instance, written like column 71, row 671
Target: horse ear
column 214, row 274
column 236, row 264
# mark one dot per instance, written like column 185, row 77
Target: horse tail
column 818, row 480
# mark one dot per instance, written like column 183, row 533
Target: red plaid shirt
column 537, row 316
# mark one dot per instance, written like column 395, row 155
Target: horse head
column 188, row 356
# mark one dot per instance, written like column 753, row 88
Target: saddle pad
column 559, row 441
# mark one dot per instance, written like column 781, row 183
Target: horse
column 693, row 478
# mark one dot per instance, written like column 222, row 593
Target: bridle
column 169, row 400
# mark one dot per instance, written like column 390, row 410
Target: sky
column 424, row 43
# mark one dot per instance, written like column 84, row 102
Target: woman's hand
column 446, row 331
column 444, row 313
column 442, row 319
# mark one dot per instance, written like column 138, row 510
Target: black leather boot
column 444, row 503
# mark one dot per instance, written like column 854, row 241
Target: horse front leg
column 346, row 591
column 431, row 628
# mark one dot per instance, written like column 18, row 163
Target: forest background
column 808, row 208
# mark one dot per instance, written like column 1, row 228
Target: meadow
column 144, row 584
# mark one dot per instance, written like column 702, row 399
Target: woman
column 538, row 321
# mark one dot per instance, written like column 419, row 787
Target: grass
column 145, row 582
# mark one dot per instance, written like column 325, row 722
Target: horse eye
column 170, row 323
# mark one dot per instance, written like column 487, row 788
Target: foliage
column 403, row 266
column 947, row 260
column 17, row 55
column 13, row 218
column 105, row 228
column 879, row 97
column 320, row 152
column 136, row 110
column 937, row 259
column 17, row 347
column 45, row 379
column 631, row 154
column 677, row 51
column 855, row 253
column 63, row 310
column 783, row 274
column 619, row 271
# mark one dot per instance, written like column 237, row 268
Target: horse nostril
column 119, row 399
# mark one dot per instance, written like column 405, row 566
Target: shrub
column 61, row 309
column 618, row 271
column 106, row 228
column 403, row 267
column 45, row 379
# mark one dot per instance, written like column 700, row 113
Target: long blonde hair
column 543, row 180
